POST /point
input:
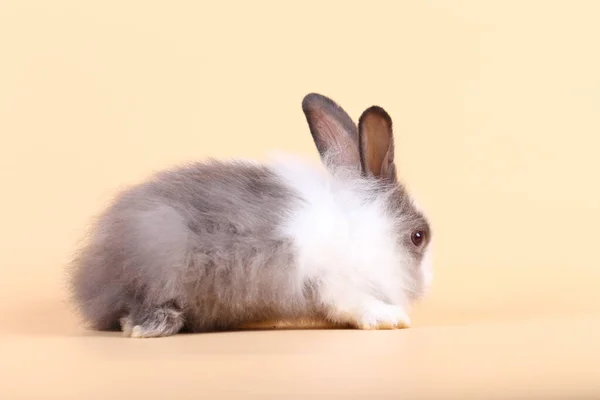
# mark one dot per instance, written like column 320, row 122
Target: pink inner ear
column 334, row 141
column 388, row 169
column 377, row 145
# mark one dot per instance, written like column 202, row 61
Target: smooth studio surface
column 496, row 117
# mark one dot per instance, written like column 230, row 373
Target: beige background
column 496, row 108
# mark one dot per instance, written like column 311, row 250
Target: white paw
column 135, row 331
column 126, row 326
column 138, row 332
column 383, row 316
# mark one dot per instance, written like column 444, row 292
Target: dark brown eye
column 417, row 238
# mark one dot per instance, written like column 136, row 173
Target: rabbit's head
column 364, row 153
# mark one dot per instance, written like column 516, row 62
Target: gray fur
column 195, row 247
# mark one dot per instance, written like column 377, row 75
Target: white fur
column 426, row 269
column 346, row 245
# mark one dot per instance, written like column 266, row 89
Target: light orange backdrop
column 497, row 116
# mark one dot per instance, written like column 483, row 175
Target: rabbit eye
column 417, row 238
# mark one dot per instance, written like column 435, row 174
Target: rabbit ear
column 377, row 143
column 332, row 129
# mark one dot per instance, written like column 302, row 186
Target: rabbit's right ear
column 332, row 129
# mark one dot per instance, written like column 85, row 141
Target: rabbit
column 214, row 245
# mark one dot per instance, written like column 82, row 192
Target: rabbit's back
column 205, row 237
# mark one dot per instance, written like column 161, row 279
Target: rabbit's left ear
column 377, row 143
column 333, row 131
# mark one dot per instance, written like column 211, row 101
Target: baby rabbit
column 215, row 245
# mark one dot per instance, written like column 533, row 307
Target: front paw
column 383, row 316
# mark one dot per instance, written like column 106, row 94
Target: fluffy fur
column 219, row 245
column 346, row 234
